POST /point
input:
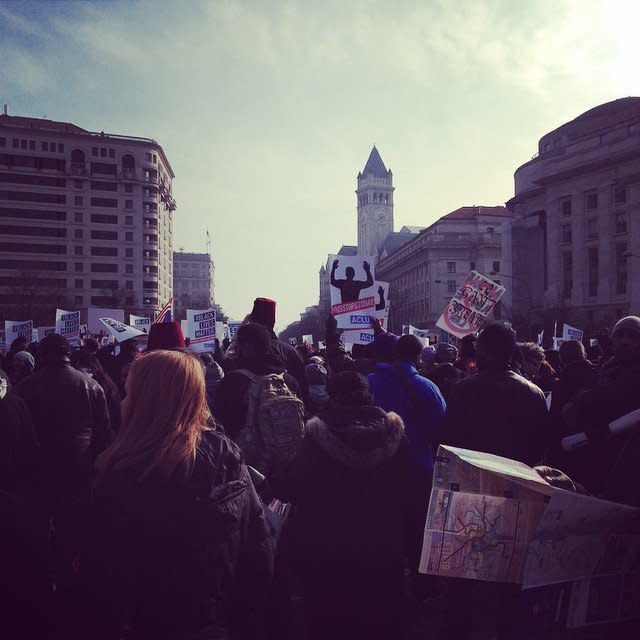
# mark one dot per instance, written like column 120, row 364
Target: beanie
column 25, row 356
column 166, row 335
column 428, row 355
column 446, row 352
column 629, row 323
column 264, row 312
column 384, row 346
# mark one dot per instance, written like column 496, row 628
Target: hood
column 363, row 440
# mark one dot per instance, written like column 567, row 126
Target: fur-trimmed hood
column 370, row 436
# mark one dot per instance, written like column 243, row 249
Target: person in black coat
column 350, row 484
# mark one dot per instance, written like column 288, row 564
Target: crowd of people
column 137, row 489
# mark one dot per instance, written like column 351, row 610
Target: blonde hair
column 164, row 413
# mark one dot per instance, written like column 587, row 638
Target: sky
column 267, row 110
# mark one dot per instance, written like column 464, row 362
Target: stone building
column 425, row 272
column 576, row 235
column 192, row 282
column 86, row 220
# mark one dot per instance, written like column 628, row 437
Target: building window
column 496, row 266
column 77, row 216
column 621, row 223
column 78, row 251
column 79, row 284
column 77, row 184
column 129, row 268
column 3, row 142
column 78, row 267
column 128, row 253
column 15, row 143
column 112, row 153
column 128, row 188
column 77, row 201
column 451, row 286
column 565, row 206
column 128, row 236
column 592, row 229
column 32, row 145
column 103, row 152
column 129, row 284
column 128, row 220
column 591, row 199
column 593, row 271
column 490, row 229
column 567, row 274
column 128, row 204
column 94, row 151
column 620, row 195
column 104, row 251
column 565, row 233
column 23, row 144
column 78, row 234
column 451, row 267
column 621, row 268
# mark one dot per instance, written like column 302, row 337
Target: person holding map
column 349, row 288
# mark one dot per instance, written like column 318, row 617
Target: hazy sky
column 268, row 110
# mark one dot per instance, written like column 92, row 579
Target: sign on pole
column 571, row 333
column 352, row 290
column 68, row 325
column 470, row 306
column 119, row 330
column 201, row 329
column 140, row 322
column 95, row 313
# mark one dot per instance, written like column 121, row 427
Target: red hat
column 264, row 312
column 166, row 335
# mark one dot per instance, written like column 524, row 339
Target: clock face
column 380, row 217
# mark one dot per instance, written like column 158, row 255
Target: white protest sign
column 43, row 332
column 353, row 294
column 17, row 329
column 358, row 336
column 68, row 325
column 184, row 326
column 95, row 313
column 119, row 330
column 468, row 309
column 140, row 322
column 571, row 333
column 221, row 330
column 308, row 339
column 232, row 328
column 202, row 329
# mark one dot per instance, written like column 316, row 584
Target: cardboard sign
column 571, row 333
column 68, row 325
column 140, row 322
column 17, row 329
column 201, row 329
column 95, row 313
column 468, row 309
column 119, row 330
column 353, row 292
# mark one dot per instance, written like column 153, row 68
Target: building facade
column 86, row 220
column 192, row 282
column 425, row 272
column 576, row 234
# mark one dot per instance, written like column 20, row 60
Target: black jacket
column 498, row 411
column 71, row 420
column 180, row 558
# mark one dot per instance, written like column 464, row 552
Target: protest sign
column 140, row 322
column 496, row 520
column 119, row 330
column 43, row 332
column 184, row 326
column 381, row 310
column 95, row 313
column 358, row 336
column 17, row 329
column 3, row 342
column 68, row 325
column 221, row 330
column 202, row 329
column 470, row 306
column 571, row 333
column 307, row 339
column 353, row 295
column 34, row 335
column 232, row 328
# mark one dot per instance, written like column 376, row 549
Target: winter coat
column 498, row 411
column 444, row 376
column 349, row 483
column 576, row 377
column 180, row 558
column 71, row 420
column 423, row 426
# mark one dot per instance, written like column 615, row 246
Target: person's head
column 253, row 340
column 207, row 359
column 495, row 346
column 164, row 412
column 90, row 345
column 594, row 353
column 23, row 364
column 163, row 335
column 264, row 312
column 571, row 351
column 428, row 356
column 349, row 388
column 54, row 348
column 468, row 346
column 626, row 338
column 350, row 272
column 316, row 374
column 19, row 344
column 446, row 352
column 532, row 359
column 408, row 349
column 383, row 347
column 89, row 363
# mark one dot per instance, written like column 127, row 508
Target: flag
column 165, row 312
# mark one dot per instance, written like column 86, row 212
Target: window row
column 591, row 199
column 30, row 145
column 378, row 198
column 593, row 228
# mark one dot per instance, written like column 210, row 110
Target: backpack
column 274, row 424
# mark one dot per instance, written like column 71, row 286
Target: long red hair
column 164, row 413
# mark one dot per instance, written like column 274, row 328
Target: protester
column 467, row 361
column 213, row 374
column 22, row 366
column 445, row 374
column 117, row 365
column 166, row 335
column 179, row 546
column 317, row 379
column 349, row 483
column 427, row 361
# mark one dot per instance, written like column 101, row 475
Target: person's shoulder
column 520, row 383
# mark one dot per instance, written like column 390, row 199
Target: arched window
column 128, row 162
column 77, row 156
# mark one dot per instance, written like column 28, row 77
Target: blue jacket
column 390, row 393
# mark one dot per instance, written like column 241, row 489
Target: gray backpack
column 274, row 424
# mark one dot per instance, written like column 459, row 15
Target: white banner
column 95, row 313
column 202, row 329
column 358, row 336
column 140, row 322
column 119, row 330
column 17, row 328
column 68, row 325
column 571, row 333
column 43, row 332
column 353, row 292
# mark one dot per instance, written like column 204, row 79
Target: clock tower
column 375, row 205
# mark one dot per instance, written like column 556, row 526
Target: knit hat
column 25, row 356
column 629, row 323
column 166, row 335
column 264, row 312
column 316, row 374
column 428, row 355
column 446, row 352
column 384, row 345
